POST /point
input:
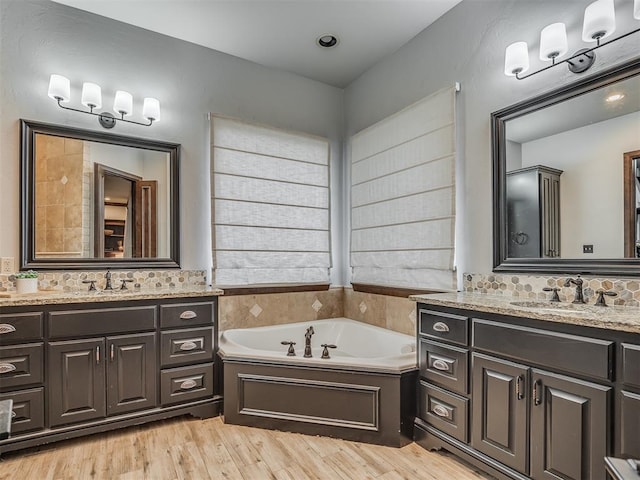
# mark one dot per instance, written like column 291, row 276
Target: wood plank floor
column 188, row 448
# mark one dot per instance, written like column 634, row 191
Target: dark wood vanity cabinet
column 95, row 367
column 545, row 401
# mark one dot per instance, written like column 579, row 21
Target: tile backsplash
column 147, row 279
column 530, row 286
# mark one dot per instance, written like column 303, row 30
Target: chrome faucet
column 107, row 276
column 579, row 298
column 307, row 342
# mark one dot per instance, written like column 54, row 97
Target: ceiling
column 282, row 34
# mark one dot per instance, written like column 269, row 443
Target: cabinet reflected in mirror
column 93, row 200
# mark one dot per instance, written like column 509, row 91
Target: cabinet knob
column 188, row 315
column 7, row 367
column 441, row 411
column 188, row 384
column 440, row 327
column 186, row 346
column 6, row 328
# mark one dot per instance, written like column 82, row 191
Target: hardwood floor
column 188, row 448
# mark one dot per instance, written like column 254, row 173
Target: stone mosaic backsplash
column 530, row 287
column 147, row 279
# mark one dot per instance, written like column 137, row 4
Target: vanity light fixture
column 60, row 88
column 599, row 23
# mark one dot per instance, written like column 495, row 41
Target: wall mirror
column 96, row 200
column 566, row 178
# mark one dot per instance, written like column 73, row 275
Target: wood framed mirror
column 92, row 200
column 565, row 184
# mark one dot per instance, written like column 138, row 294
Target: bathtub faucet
column 307, row 342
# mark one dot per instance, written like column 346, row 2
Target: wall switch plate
column 587, row 248
column 7, row 265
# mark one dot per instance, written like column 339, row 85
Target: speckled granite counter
column 622, row 318
column 52, row 297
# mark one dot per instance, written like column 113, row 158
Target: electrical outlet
column 587, row 248
column 7, row 265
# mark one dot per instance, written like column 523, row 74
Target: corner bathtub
column 364, row 392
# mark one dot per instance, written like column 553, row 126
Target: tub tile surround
column 525, row 287
column 395, row 313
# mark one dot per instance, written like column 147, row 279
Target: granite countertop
column 52, row 297
column 623, row 318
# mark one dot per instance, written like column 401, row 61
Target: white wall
column 40, row 37
column 467, row 45
column 591, row 185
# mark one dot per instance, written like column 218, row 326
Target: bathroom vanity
column 528, row 389
column 78, row 364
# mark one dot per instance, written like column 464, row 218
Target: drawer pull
column 13, row 414
column 441, row 365
column 188, row 315
column 441, row 411
column 187, row 346
column 187, row 385
column 7, row 367
column 6, row 328
column 440, row 327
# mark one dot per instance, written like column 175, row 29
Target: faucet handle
column 290, row 352
column 600, row 301
column 92, row 284
column 554, row 297
column 124, row 283
column 325, row 349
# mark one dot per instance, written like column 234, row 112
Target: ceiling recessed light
column 327, row 41
column 615, row 97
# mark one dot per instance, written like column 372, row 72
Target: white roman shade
column 270, row 205
column 403, row 197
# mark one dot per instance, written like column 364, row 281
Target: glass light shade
column 636, row 9
column 599, row 20
column 123, row 103
column 151, row 109
column 516, row 59
column 553, row 41
column 59, row 88
column 91, row 95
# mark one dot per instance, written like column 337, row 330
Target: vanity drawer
column 20, row 327
column 28, row 410
column 631, row 364
column 444, row 410
column 186, row 314
column 187, row 346
column 186, row 384
column 21, row 365
column 444, row 326
column 571, row 353
column 102, row 321
column 444, row 365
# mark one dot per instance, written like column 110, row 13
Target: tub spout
column 307, row 342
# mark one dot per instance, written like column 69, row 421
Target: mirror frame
column 28, row 130
column 502, row 263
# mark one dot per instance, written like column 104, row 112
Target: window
column 403, row 197
column 270, row 203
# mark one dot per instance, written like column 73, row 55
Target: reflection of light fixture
column 599, row 23
column 60, row 88
column 614, row 97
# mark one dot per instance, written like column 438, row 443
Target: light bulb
column 59, row 88
column 151, row 109
column 91, row 95
column 516, row 59
column 123, row 103
column 599, row 20
column 553, row 41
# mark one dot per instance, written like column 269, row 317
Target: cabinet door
column 131, row 373
column 499, row 408
column 76, row 381
column 569, row 428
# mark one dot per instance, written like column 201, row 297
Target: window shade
column 403, row 197
column 270, row 205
